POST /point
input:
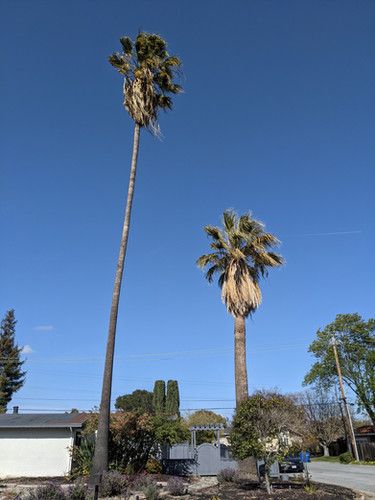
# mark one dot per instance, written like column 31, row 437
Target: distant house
column 365, row 433
column 38, row 445
column 365, row 437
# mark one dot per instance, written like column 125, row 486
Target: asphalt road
column 357, row 477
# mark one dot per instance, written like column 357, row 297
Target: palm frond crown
column 149, row 73
column 241, row 255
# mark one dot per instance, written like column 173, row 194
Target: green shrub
column 78, row 491
column 151, row 491
column 153, row 466
column 48, row 491
column 141, row 481
column 346, row 458
column 176, row 486
column 82, row 458
column 113, row 483
column 226, row 476
column 310, row 488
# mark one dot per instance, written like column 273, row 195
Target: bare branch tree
column 322, row 411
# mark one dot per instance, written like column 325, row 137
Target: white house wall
column 35, row 452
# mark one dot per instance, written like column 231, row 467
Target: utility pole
column 344, row 400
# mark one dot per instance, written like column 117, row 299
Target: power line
column 171, row 354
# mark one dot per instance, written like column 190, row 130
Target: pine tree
column 172, row 405
column 12, row 377
column 159, row 397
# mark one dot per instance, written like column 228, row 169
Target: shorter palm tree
column 241, row 256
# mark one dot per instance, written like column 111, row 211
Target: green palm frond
column 211, row 272
column 229, row 220
column 267, row 240
column 127, row 45
column 164, row 101
column 214, row 232
column 241, row 256
column 172, row 61
column 218, row 245
column 206, row 259
column 278, row 260
column 248, row 225
column 221, row 279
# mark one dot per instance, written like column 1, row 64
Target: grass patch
column 326, row 459
column 337, row 461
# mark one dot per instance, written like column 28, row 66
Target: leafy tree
column 323, row 417
column 159, row 397
column 240, row 257
column 148, row 71
column 260, row 428
column 139, row 401
column 131, row 439
column 205, row 417
column 134, row 439
column 172, row 404
column 12, row 378
column 356, row 350
column 169, row 431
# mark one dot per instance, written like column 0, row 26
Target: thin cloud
column 43, row 328
column 334, row 233
column 26, row 349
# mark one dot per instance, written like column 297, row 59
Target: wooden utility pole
column 343, row 397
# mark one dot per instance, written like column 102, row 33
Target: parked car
column 291, row 465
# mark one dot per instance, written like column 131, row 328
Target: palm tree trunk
column 100, row 460
column 240, row 359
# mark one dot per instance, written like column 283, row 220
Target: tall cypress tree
column 172, row 405
column 12, row 377
column 159, row 397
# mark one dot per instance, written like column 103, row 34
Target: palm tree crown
column 240, row 256
column 148, row 72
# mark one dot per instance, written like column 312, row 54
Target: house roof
column 42, row 420
column 365, row 429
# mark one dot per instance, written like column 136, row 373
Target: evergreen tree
column 12, row 377
column 139, row 401
column 172, row 405
column 159, row 397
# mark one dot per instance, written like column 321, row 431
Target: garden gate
column 204, row 460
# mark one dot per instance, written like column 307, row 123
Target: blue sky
column 276, row 118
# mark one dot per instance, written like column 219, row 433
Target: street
column 357, row 477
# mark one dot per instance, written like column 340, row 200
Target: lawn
column 337, row 460
column 325, row 459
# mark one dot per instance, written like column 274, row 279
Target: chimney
column 15, row 410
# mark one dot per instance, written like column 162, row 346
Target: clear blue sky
column 277, row 117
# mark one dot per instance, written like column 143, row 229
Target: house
column 365, row 433
column 365, row 437
column 38, row 445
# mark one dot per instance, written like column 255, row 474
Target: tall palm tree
column 148, row 72
column 240, row 257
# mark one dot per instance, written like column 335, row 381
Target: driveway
column 357, row 477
